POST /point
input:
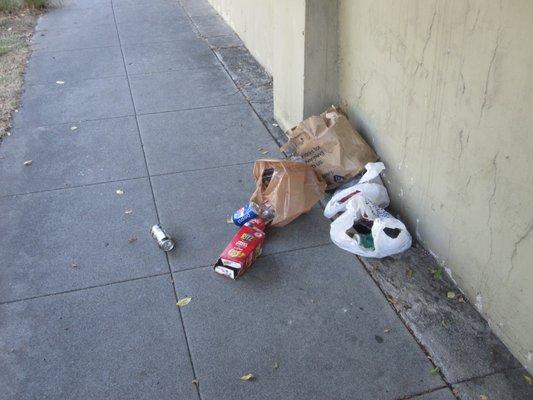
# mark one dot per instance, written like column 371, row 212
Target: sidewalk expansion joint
column 83, row 288
column 74, row 186
column 153, row 198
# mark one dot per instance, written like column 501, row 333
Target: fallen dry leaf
column 28, row 162
column 483, row 397
column 132, row 239
column 409, row 273
column 120, row 191
column 229, row 221
column 183, row 302
column 195, row 382
column 444, row 323
column 247, row 377
column 275, row 365
column 529, row 380
column 450, row 295
column 460, row 299
column 455, row 392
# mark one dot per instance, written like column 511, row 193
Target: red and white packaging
column 242, row 250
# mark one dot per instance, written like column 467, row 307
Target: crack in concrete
column 489, row 73
column 515, row 250
column 428, row 38
column 491, row 202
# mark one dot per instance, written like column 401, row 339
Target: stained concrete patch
column 248, row 74
column 69, row 239
column 122, row 341
column 509, row 385
column 441, row 394
column 217, row 42
column 458, row 339
column 304, row 324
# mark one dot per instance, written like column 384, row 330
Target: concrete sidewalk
column 127, row 95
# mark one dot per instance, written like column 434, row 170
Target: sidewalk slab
column 96, row 151
column 317, row 314
column 184, row 140
column 194, row 206
column 68, row 17
column 89, row 99
column 74, row 65
column 150, row 12
column 140, row 32
column 176, row 90
column 122, row 341
column 79, row 37
column 75, row 238
column 168, row 56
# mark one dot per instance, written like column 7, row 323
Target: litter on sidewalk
column 369, row 186
column 291, row 188
column 328, row 153
column 163, row 240
column 368, row 230
column 331, row 146
column 242, row 250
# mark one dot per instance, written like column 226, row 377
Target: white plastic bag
column 370, row 186
column 389, row 235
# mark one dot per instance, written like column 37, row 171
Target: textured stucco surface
column 442, row 90
column 253, row 20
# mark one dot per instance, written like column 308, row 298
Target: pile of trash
column 326, row 153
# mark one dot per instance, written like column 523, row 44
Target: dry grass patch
column 17, row 22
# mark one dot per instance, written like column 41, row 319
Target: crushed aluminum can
column 163, row 240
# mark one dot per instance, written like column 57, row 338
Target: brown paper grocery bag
column 330, row 145
column 292, row 188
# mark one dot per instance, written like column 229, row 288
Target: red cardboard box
column 242, row 251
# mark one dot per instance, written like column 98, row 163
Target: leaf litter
column 183, row 302
column 247, row 377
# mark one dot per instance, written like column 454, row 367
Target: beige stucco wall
column 253, row 21
column 444, row 92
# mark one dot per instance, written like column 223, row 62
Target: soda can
column 245, row 214
column 163, row 240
